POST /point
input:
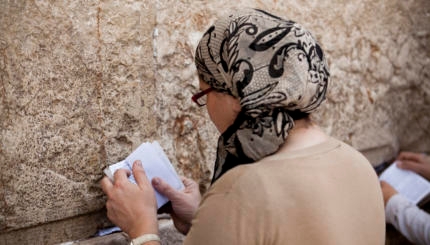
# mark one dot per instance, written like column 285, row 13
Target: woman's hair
column 274, row 67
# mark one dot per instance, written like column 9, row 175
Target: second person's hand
column 416, row 162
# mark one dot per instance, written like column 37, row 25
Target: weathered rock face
column 83, row 83
column 77, row 92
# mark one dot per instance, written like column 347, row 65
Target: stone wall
column 83, row 83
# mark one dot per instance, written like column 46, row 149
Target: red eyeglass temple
column 200, row 94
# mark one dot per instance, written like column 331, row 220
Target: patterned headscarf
column 274, row 67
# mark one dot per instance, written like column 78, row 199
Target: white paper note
column 155, row 163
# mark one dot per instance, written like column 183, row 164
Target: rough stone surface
column 77, row 92
column 83, row 83
column 81, row 227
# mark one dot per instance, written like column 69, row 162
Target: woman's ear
column 236, row 106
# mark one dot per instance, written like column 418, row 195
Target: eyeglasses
column 200, row 98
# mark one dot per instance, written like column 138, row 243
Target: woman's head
column 273, row 67
column 264, row 61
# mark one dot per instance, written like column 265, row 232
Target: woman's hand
column 184, row 203
column 132, row 207
column 387, row 191
column 416, row 162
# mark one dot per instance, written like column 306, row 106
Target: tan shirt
column 324, row 194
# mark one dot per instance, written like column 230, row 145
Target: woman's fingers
column 165, row 189
column 106, row 185
column 140, row 174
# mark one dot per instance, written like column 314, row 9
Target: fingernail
column 138, row 163
column 156, row 181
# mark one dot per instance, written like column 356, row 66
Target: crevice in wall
column 158, row 103
column 5, row 112
column 99, row 86
column 4, row 116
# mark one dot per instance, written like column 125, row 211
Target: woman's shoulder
column 237, row 181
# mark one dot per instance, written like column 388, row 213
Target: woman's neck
column 304, row 134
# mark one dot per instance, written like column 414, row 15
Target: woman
column 278, row 178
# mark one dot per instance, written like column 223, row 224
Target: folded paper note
column 155, row 163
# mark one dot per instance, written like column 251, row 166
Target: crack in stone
column 4, row 207
column 63, row 177
column 99, row 82
column 3, row 88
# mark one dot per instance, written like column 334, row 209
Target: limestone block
column 77, row 91
column 81, row 227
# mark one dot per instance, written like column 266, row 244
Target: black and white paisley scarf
column 274, row 67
